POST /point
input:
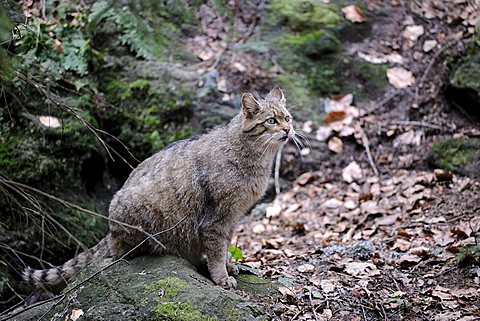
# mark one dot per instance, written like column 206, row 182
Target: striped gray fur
column 211, row 180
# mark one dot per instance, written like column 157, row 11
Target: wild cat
column 205, row 183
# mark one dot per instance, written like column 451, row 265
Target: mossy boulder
column 464, row 89
column 149, row 288
column 310, row 39
column 459, row 156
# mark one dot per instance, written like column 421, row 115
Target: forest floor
column 374, row 233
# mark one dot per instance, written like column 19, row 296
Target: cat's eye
column 272, row 121
column 288, row 119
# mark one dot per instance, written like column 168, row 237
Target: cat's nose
column 286, row 130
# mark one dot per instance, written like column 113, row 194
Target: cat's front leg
column 216, row 247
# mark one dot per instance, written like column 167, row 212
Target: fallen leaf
column 258, row 228
column 286, row 291
column 334, row 116
column 58, row 45
column 361, row 269
column 335, row 144
column 273, row 211
column 353, row 172
column 411, row 137
column 306, row 178
column 399, row 77
column 49, row 121
column 408, row 260
column 76, row 313
column 413, row 32
column 327, row 286
column 428, row 45
column 421, row 251
column 306, row 268
column 323, row 132
column 332, row 203
column 353, row 13
column 442, row 175
column 441, row 295
column 469, row 293
column 338, row 103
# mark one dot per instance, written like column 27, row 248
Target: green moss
column 311, row 44
column 302, row 15
column 175, row 311
column 469, row 256
column 455, row 154
column 467, row 75
column 167, row 306
column 307, row 37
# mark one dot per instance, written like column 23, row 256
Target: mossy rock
column 150, row 288
column 459, row 156
column 308, row 37
column 464, row 89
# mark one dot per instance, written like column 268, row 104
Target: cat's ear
column 276, row 94
column 249, row 105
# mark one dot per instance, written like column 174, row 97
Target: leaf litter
column 373, row 233
column 346, row 242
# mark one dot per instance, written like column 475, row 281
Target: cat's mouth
column 283, row 137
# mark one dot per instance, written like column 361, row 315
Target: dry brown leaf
column 305, row 178
column 338, row 103
column 469, row 293
column 286, row 291
column 327, row 286
column 334, row 116
column 323, row 132
column 353, row 172
column 413, row 32
column 335, row 144
column 76, row 313
column 441, row 295
column 408, row 260
column 353, row 13
column 361, row 269
column 307, row 267
column 332, row 203
column 399, row 77
column 58, row 45
column 428, row 45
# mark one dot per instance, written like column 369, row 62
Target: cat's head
column 267, row 121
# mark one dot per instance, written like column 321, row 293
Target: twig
column 382, row 102
column 366, row 145
column 278, row 161
column 122, row 258
column 364, row 315
column 311, row 304
column 74, row 206
column 429, row 67
column 416, row 123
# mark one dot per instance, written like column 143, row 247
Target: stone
column 152, row 288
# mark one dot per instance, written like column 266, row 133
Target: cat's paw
column 228, row 282
column 232, row 269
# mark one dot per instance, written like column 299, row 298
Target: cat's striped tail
column 55, row 279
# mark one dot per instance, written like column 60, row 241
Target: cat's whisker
column 299, row 142
column 307, row 141
column 269, row 144
column 265, row 143
column 298, row 147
